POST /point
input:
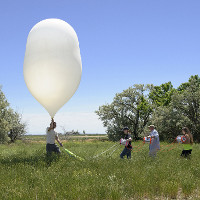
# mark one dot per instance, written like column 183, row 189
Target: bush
column 11, row 125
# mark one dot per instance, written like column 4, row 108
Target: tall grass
column 26, row 173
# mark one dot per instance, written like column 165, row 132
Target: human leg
column 128, row 154
column 48, row 149
column 123, row 153
column 56, row 149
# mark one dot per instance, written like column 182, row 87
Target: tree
column 168, row 108
column 183, row 110
column 18, row 128
column 161, row 95
column 193, row 80
column 10, row 122
column 4, row 125
column 130, row 108
column 187, row 100
column 169, row 122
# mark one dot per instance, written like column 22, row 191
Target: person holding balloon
column 52, row 69
column 51, row 137
column 128, row 148
column 154, row 146
column 187, row 145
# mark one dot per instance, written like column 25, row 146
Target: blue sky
column 121, row 42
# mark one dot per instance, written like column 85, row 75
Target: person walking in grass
column 154, row 146
column 127, row 150
column 187, row 145
column 51, row 137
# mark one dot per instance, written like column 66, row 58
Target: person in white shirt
column 51, row 137
column 154, row 146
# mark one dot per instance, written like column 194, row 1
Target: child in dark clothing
column 128, row 148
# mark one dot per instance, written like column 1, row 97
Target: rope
column 105, row 151
column 165, row 150
column 134, row 150
column 138, row 148
column 113, row 151
column 73, row 155
column 82, row 159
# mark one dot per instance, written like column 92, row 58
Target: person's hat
column 151, row 126
column 125, row 128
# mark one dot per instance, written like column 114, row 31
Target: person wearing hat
column 154, row 146
column 128, row 147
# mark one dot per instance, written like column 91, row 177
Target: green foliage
column 187, row 101
column 161, row 95
column 193, row 80
column 26, row 173
column 11, row 125
column 130, row 108
column 183, row 110
column 169, row 122
column 18, row 128
column 4, row 124
column 168, row 108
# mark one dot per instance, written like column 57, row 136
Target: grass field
column 26, row 173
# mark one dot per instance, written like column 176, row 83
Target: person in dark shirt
column 128, row 147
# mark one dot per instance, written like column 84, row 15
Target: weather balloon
column 181, row 139
column 52, row 63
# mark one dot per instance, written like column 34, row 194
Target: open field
column 41, row 138
column 26, row 173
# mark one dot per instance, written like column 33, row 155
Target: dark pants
column 126, row 152
column 186, row 153
column 52, row 148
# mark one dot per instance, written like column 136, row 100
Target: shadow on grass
column 38, row 159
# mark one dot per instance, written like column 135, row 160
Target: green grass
column 26, row 173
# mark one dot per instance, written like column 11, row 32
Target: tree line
column 168, row 108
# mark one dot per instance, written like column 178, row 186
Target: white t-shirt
column 51, row 136
column 155, row 143
column 155, row 134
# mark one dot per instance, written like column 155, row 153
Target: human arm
column 58, row 140
column 187, row 139
column 51, row 125
column 149, row 136
column 154, row 134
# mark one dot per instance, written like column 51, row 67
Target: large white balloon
column 52, row 63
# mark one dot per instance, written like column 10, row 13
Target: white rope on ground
column 113, row 151
column 79, row 158
column 105, row 151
